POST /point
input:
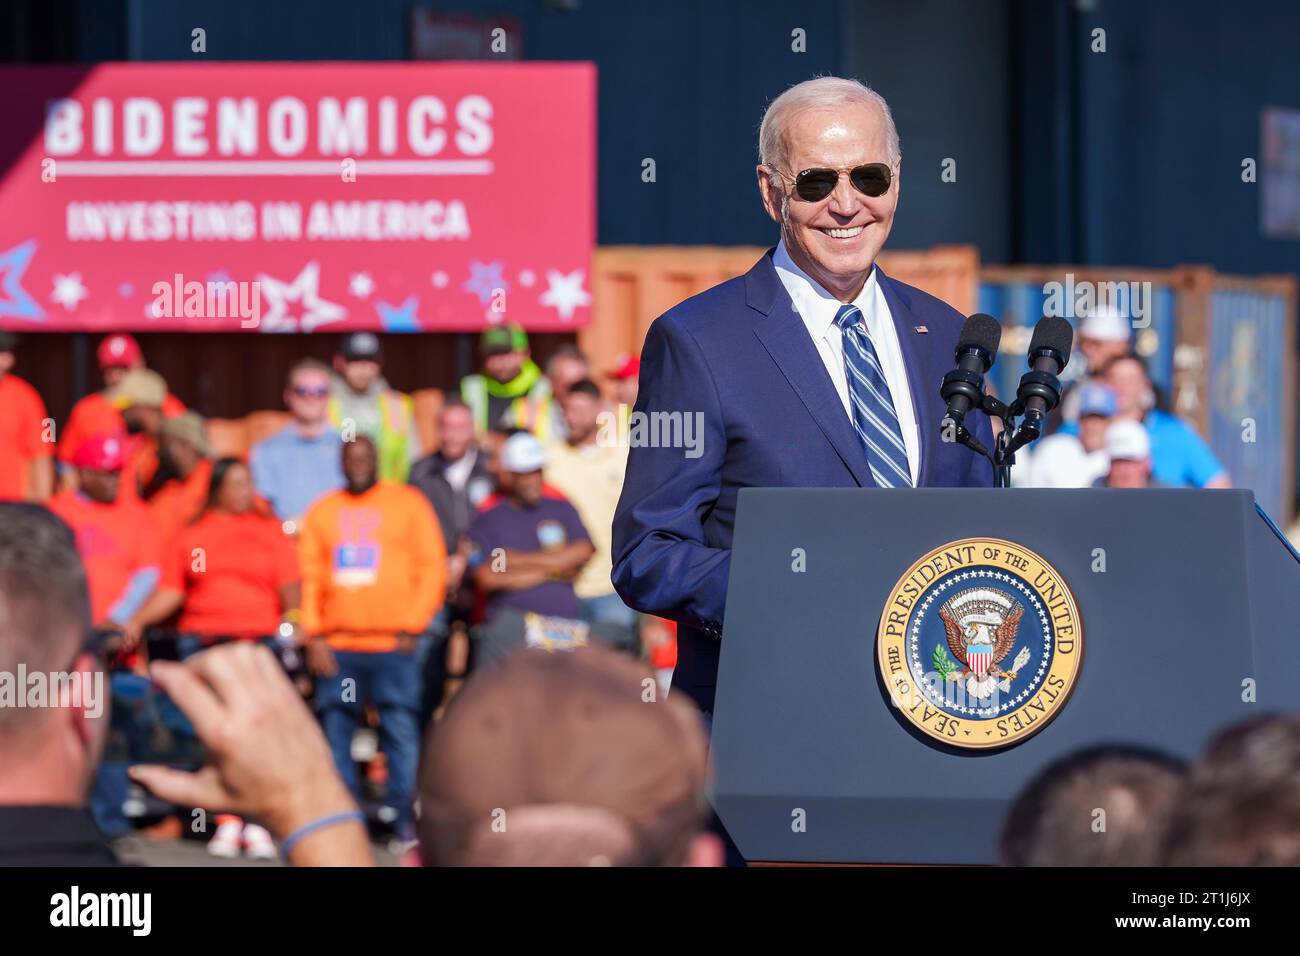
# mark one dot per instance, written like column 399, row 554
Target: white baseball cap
column 522, row 453
column 1128, row 441
column 1106, row 324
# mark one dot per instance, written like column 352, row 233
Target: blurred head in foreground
column 1241, row 805
column 565, row 759
column 49, row 744
column 1104, row 806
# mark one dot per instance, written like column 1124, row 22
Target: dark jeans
column 391, row 681
column 433, row 666
column 144, row 727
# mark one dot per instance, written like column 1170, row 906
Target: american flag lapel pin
column 922, row 329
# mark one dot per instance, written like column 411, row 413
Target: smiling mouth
column 849, row 232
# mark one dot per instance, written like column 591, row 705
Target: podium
column 1184, row 603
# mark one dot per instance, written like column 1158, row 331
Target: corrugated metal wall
column 1250, row 391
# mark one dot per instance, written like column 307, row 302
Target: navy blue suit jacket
column 742, row 356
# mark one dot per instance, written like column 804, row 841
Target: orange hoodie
column 373, row 565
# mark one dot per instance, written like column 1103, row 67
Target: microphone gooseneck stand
column 1010, row 439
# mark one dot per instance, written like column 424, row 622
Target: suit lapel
column 786, row 339
column 922, row 380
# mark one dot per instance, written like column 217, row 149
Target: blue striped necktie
column 874, row 417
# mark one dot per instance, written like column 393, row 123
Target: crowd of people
column 1111, row 431
column 545, row 759
column 342, row 570
column 360, row 561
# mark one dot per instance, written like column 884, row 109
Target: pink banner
column 314, row 197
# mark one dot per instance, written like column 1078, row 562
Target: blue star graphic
column 16, row 301
column 485, row 279
column 400, row 318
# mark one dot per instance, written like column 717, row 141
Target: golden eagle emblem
column 981, row 625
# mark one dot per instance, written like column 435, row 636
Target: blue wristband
column 309, row 828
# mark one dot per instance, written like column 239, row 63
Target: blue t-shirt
column 291, row 471
column 1179, row 456
column 552, row 523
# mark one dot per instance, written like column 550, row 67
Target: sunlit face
column 457, row 428
column 1128, row 380
column 1097, row 352
column 236, row 492
column 836, row 239
column 1129, row 473
column 1092, row 431
column 308, row 396
column 581, row 412
column 359, row 374
column 564, row 372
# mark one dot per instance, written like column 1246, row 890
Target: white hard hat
column 522, row 453
column 1105, row 323
column 1128, row 441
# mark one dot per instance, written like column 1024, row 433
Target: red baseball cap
column 628, row 366
column 101, row 453
column 119, row 351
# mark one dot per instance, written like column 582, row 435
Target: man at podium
column 814, row 369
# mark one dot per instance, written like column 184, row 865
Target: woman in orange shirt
column 232, row 573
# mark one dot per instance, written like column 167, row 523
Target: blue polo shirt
column 291, row 471
column 551, row 523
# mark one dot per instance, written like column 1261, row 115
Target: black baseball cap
column 8, row 341
column 361, row 347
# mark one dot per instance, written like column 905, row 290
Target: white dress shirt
column 818, row 309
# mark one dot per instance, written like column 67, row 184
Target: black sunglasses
column 814, row 185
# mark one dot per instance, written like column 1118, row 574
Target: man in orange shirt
column 116, row 537
column 374, row 571
column 179, row 488
column 99, row 413
column 26, row 438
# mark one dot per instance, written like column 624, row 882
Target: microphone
column 1040, row 390
column 977, row 347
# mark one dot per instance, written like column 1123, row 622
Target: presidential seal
column 980, row 643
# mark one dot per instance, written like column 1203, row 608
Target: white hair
column 823, row 92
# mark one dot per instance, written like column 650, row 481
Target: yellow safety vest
column 392, row 444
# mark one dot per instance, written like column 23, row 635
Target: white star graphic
column 68, row 290
column 314, row 310
column 527, row 278
column 439, row 279
column 564, row 293
column 360, row 285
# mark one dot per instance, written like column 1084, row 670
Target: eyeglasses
column 814, row 185
column 310, row 392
